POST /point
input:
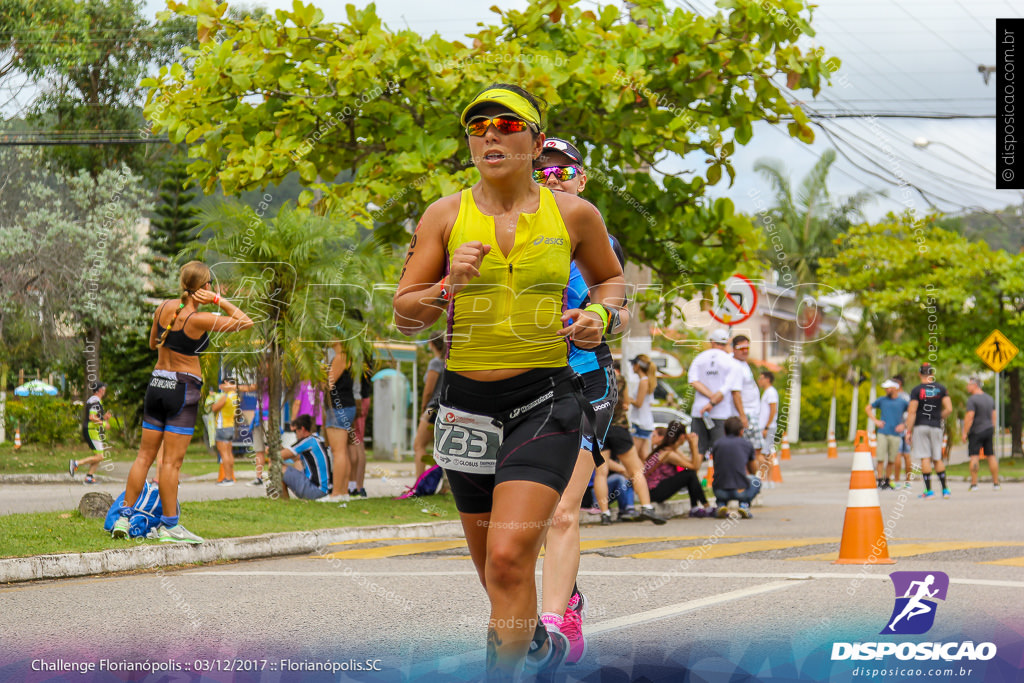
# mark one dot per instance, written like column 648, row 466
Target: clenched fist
column 465, row 264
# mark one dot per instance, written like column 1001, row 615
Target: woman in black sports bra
column 179, row 333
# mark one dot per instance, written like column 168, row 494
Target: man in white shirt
column 769, row 414
column 708, row 374
column 745, row 398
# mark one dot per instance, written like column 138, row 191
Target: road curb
column 672, row 508
column 149, row 555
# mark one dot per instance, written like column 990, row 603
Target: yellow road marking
column 911, row 549
column 597, row 544
column 370, row 540
column 394, row 550
column 1008, row 562
column 710, row 552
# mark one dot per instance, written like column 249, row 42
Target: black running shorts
column 618, row 440
column 171, row 403
column 600, row 390
column 980, row 440
column 539, row 444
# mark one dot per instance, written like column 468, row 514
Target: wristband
column 601, row 312
column 216, row 299
column 446, row 293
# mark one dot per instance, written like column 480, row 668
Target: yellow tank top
column 509, row 317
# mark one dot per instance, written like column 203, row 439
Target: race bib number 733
column 466, row 442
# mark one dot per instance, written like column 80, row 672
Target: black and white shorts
column 172, row 402
column 541, row 412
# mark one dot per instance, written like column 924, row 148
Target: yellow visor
column 514, row 102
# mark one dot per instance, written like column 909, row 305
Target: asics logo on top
column 549, row 240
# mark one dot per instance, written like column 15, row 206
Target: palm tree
column 807, row 224
column 297, row 275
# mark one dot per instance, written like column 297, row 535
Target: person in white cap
column 889, row 428
column 708, row 375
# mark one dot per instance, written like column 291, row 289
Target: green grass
column 40, row 459
column 42, row 533
column 1008, row 467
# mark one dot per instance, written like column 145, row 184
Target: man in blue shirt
column 890, row 427
column 309, row 477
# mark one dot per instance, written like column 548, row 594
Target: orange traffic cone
column 785, row 447
column 220, row 473
column 833, row 447
column 17, row 438
column 711, row 473
column 872, row 445
column 981, row 451
column 863, row 539
column 945, row 446
column 775, row 475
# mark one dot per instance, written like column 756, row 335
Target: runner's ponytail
column 167, row 330
column 194, row 276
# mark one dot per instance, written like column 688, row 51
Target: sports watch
column 613, row 318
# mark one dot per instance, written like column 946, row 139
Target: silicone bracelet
column 216, row 299
column 600, row 310
column 446, row 293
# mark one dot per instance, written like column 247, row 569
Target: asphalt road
column 696, row 599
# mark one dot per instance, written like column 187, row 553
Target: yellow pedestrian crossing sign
column 997, row 351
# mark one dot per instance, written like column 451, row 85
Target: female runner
column 172, row 397
column 497, row 256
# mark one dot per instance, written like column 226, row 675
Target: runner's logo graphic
column 914, row 611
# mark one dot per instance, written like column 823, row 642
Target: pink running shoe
column 572, row 628
column 579, row 603
column 551, row 622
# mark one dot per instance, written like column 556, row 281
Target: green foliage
column 70, row 257
column 944, row 293
column 299, row 277
column 27, row 25
column 804, row 223
column 175, row 223
column 266, row 96
column 44, row 419
column 1000, row 229
column 107, row 47
column 128, row 365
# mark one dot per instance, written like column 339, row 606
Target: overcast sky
column 899, row 56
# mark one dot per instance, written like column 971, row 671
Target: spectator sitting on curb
column 620, row 489
column 734, row 460
column 309, row 477
column 663, row 477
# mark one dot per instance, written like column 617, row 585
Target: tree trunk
column 1015, row 412
column 832, row 414
column 3, row 401
column 851, row 434
column 871, row 399
column 272, row 430
column 793, row 418
column 92, row 357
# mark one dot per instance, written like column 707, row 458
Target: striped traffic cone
column 785, row 447
column 945, row 446
column 775, row 475
column 833, row 447
column 863, row 540
column 872, row 445
column 17, row 438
